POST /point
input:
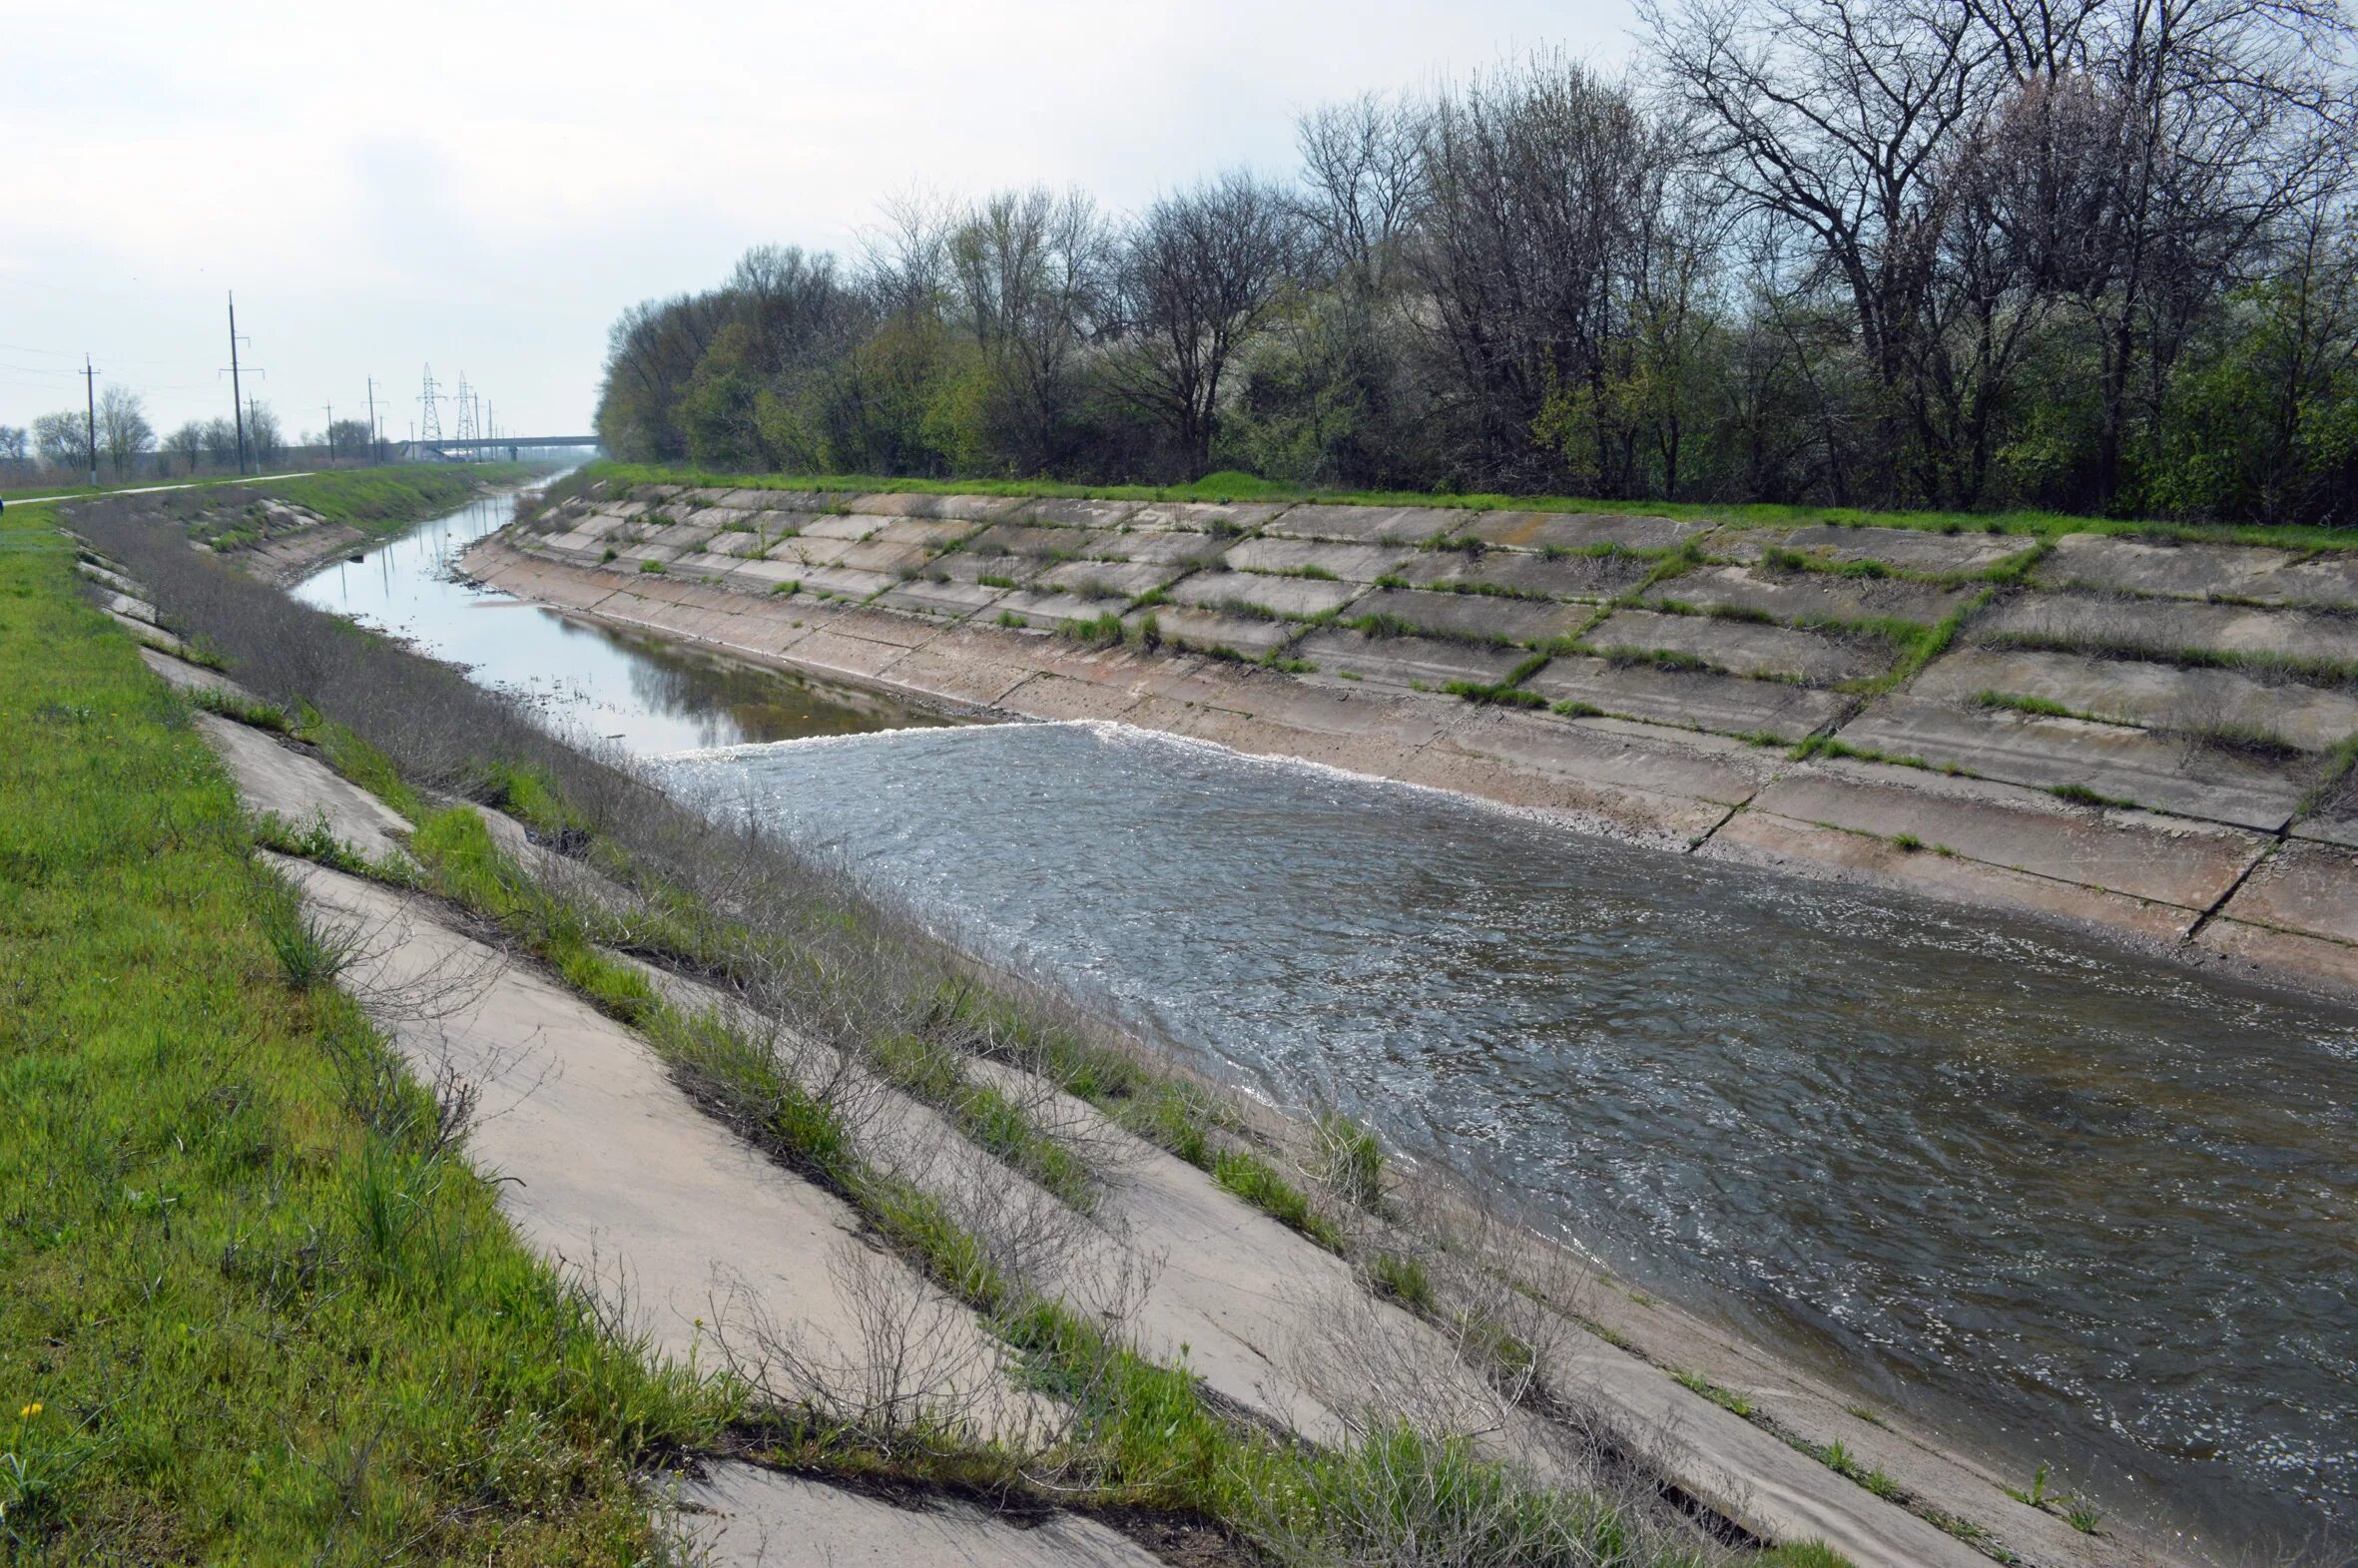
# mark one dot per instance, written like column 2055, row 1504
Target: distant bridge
column 452, row 451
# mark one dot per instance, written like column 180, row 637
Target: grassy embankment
column 374, row 501
column 1234, row 486
column 1147, row 1436
column 254, row 1305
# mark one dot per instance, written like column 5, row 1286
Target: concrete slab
column 1631, row 756
column 880, row 555
column 1403, row 664
column 2282, row 954
column 951, row 601
column 1525, row 621
column 1578, row 530
column 2311, row 888
column 1076, row 512
column 1351, row 563
column 2156, row 696
column 1206, row 517
column 2202, row 571
column 741, row 1517
column 849, row 526
column 782, row 500
column 973, row 566
column 682, row 1221
column 742, row 543
column 1108, row 579
column 301, row 790
column 1688, row 698
column 189, row 677
column 1297, row 596
column 1578, row 576
column 1758, row 837
column 1746, row 647
column 842, row 582
column 2163, row 859
column 1809, row 597
column 762, row 577
column 2116, row 761
column 1041, row 544
column 928, row 534
column 2161, row 628
column 905, row 503
column 1047, row 611
column 128, row 608
column 1910, row 549
column 1173, row 548
column 1366, row 524
column 1211, row 632
column 114, row 580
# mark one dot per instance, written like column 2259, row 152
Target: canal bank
column 2001, row 1098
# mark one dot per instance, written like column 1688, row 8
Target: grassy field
column 379, row 500
column 1232, row 486
column 253, row 1307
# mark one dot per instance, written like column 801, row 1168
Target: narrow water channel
column 2068, row 1203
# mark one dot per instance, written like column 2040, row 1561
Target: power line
column 430, row 423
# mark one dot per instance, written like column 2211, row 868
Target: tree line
column 2098, row 255
column 115, row 434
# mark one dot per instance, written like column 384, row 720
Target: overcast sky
column 484, row 187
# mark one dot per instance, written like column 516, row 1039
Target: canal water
column 2064, row 1202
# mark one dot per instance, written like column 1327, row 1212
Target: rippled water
column 2070, row 1203
column 2089, row 1208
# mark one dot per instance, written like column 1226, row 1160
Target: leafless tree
column 63, row 440
column 264, row 435
column 1200, row 272
column 14, row 443
column 221, row 442
column 188, row 444
column 124, row 433
column 1362, row 177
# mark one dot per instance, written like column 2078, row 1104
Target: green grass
column 386, row 500
column 264, row 1315
column 1726, row 1398
column 2016, row 702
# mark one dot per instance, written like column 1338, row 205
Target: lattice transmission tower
column 466, row 400
column 429, row 405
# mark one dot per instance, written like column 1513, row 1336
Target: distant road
column 153, row 489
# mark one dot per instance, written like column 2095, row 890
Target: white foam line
column 751, row 748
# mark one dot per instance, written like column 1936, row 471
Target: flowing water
column 2068, row 1203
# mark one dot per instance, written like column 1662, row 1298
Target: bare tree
column 124, row 433
column 1364, row 179
column 14, row 443
column 1200, row 272
column 63, row 440
column 188, row 444
column 221, row 442
column 264, row 435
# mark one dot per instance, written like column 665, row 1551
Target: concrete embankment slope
column 690, row 1234
column 2150, row 739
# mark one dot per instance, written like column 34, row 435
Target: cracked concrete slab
column 1213, row 517
column 2161, row 628
column 1578, row 530
column 2116, row 761
column 1077, row 512
column 905, row 503
column 1525, row 621
column 1910, row 549
column 1351, row 563
column 742, row 1516
column 2311, row 888
column 1366, row 524
column 2202, row 571
column 1810, row 596
column 2163, row 859
column 1108, row 579
column 1297, row 596
column 1178, row 550
column 2156, row 696
column 1041, row 544
column 301, row 790
column 1687, row 699
column 1746, row 648
column 1580, row 577
column 955, row 601
column 1403, row 664
column 1210, row 631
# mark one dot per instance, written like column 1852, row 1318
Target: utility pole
column 237, row 391
column 331, row 435
column 374, row 440
column 90, row 411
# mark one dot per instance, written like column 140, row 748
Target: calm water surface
column 2060, row 1200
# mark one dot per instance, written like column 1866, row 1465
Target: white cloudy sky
column 483, row 185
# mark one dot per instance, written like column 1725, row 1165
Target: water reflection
column 2082, row 1206
column 648, row 695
